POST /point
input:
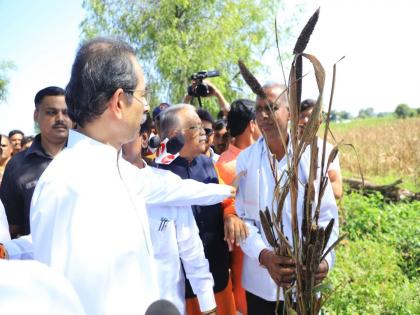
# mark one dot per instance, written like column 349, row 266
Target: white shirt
column 335, row 164
column 159, row 187
column 87, row 225
column 175, row 234
column 255, row 192
column 29, row 287
column 175, row 238
column 4, row 225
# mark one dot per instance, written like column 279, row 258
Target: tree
column 176, row 38
column 404, row 111
column 366, row 112
column 4, row 79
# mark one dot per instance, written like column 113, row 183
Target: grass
column 388, row 149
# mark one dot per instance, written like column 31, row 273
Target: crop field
column 387, row 149
column 377, row 268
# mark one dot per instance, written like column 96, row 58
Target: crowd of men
column 114, row 229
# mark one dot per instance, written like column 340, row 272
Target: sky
column 377, row 37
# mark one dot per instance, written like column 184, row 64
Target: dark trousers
column 259, row 306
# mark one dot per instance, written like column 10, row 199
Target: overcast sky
column 379, row 39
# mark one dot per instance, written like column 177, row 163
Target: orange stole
column 224, row 301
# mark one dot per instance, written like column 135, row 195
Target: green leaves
column 176, row 38
column 5, row 67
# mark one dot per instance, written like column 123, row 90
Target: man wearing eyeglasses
column 264, row 270
column 218, row 224
column 86, row 223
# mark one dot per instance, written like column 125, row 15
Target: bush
column 370, row 218
column 368, row 281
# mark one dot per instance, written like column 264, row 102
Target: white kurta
column 4, row 225
column 86, row 225
column 29, row 287
column 175, row 234
column 255, row 192
column 156, row 187
column 175, row 238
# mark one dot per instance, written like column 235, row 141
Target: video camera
column 201, row 89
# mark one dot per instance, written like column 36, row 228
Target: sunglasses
column 208, row 131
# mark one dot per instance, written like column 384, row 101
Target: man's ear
column 144, row 140
column 36, row 115
column 117, row 102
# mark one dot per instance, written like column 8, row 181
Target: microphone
column 154, row 142
column 162, row 307
column 169, row 149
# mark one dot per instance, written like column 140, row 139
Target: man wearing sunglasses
column 207, row 121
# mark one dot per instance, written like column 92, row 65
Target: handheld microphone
column 162, row 307
column 169, row 149
column 153, row 144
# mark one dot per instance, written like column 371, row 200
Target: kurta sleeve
column 162, row 187
column 20, row 248
column 195, row 264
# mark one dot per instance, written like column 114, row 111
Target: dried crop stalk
column 309, row 247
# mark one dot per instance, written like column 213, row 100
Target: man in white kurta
column 263, row 270
column 85, row 222
column 93, row 230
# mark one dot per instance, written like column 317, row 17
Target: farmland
column 377, row 266
column 387, row 148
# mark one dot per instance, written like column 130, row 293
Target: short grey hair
column 276, row 85
column 169, row 119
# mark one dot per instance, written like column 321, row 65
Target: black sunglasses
column 208, row 131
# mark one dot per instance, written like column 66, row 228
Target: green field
column 377, row 268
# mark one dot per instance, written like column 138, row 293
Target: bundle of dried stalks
column 309, row 246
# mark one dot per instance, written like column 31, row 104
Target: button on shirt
column 87, row 225
column 19, row 180
column 255, row 192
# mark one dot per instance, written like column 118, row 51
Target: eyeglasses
column 267, row 109
column 195, row 128
column 145, row 94
column 208, row 131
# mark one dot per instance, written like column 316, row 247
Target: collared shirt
column 209, row 219
column 335, row 164
column 255, row 192
column 4, row 226
column 213, row 155
column 175, row 238
column 87, row 225
column 19, row 180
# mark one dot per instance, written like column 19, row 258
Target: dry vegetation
column 388, row 148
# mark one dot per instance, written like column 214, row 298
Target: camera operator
column 213, row 91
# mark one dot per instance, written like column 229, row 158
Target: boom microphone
column 162, row 307
column 169, row 149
